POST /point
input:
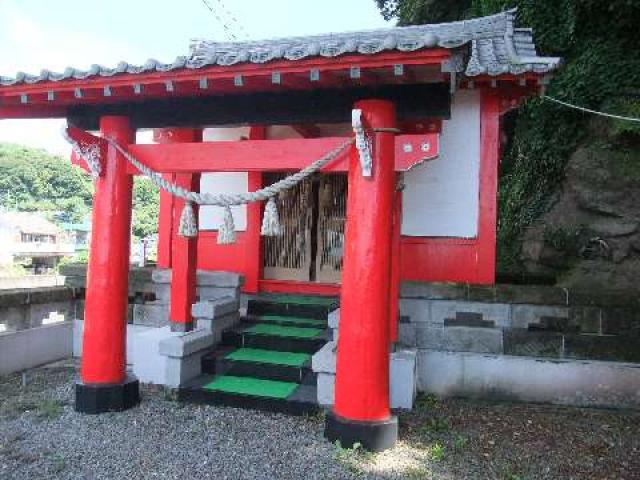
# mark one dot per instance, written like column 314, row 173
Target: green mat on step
column 300, row 300
column 251, row 386
column 282, row 331
column 268, row 356
column 312, row 322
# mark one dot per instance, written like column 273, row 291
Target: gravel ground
column 42, row 437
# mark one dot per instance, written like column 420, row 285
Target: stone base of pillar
column 181, row 327
column 98, row 398
column 373, row 436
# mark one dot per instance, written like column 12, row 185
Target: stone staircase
column 264, row 363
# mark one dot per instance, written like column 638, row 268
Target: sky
column 39, row 34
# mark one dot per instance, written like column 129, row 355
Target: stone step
column 251, row 393
column 259, row 363
column 286, row 320
column 292, row 306
column 276, row 337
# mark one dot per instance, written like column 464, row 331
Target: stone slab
column 214, row 293
column 334, row 318
column 499, row 313
column 215, row 308
column 524, row 315
column 217, row 325
column 324, row 360
column 403, row 379
column 204, row 278
column 418, row 310
column 459, row 339
column 151, row 314
column 186, row 343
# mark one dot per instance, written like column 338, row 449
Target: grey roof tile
column 496, row 48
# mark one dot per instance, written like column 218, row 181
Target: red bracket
column 85, row 140
column 412, row 150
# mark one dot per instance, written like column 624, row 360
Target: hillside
column 34, row 180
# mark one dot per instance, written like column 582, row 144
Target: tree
column 33, row 180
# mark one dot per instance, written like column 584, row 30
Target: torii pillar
column 105, row 385
column 361, row 412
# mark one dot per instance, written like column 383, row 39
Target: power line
column 225, row 22
column 588, row 110
column 230, row 15
column 229, row 33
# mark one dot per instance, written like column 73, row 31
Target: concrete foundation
column 402, row 376
column 564, row 382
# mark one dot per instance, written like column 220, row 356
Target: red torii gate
column 370, row 286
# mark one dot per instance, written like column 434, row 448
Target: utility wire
column 229, row 33
column 588, row 110
column 234, row 20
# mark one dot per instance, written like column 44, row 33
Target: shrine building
column 396, row 133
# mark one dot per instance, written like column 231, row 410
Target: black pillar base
column 97, row 398
column 373, row 436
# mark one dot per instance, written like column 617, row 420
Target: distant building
column 78, row 235
column 32, row 240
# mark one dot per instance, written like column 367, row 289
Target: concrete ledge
column 186, row 343
column 334, row 318
column 530, row 379
column 36, row 346
column 215, row 308
column 204, row 278
column 402, row 376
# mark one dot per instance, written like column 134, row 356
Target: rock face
column 590, row 237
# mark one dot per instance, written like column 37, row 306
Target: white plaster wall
column 210, row 217
column 441, row 198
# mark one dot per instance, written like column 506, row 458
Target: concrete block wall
column 530, row 343
column 23, row 309
column 527, row 320
column 24, row 349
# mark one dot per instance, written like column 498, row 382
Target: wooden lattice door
column 312, row 217
column 332, row 213
column 288, row 256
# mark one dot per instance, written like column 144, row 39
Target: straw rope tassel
column 227, row 231
column 188, row 227
column 270, row 220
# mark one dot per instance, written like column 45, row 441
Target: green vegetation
column 598, row 42
column 33, row 180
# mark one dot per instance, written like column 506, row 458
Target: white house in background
column 32, row 240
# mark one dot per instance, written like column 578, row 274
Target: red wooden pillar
column 104, row 385
column 361, row 412
column 489, row 159
column 394, row 288
column 183, row 250
column 253, row 268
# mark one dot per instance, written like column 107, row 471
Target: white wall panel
column 441, row 197
column 223, row 182
column 211, row 217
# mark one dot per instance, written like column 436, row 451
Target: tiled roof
column 27, row 222
column 496, row 48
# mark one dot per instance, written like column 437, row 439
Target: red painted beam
column 242, row 156
column 270, row 155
